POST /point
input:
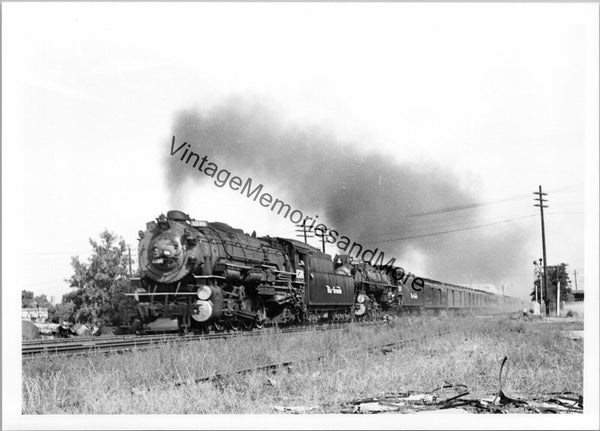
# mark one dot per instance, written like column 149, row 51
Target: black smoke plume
column 364, row 195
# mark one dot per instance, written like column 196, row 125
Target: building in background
column 37, row 315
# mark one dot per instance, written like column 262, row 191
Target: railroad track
column 116, row 344
column 218, row 378
column 384, row 348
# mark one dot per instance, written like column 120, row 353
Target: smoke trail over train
column 367, row 195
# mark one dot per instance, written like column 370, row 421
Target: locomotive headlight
column 204, row 292
column 361, row 298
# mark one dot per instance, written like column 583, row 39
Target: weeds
column 541, row 360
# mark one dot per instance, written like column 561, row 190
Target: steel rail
column 124, row 343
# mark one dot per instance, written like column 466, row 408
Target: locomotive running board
column 283, row 272
column 234, row 265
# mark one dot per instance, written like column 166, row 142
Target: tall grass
column 541, row 360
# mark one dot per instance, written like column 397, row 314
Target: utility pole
column 575, row 274
column 541, row 201
column 558, row 299
column 304, row 232
column 541, row 280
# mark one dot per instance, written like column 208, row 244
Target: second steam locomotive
column 201, row 275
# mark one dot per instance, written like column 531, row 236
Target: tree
column 26, row 298
column 556, row 273
column 101, row 283
column 61, row 312
column 41, row 301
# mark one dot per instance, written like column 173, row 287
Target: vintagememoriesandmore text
column 222, row 177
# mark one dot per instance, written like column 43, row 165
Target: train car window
column 301, row 259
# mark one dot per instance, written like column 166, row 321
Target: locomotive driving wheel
column 234, row 325
column 287, row 315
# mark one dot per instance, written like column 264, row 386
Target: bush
column 30, row 331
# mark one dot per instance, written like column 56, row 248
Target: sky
column 496, row 98
column 466, row 105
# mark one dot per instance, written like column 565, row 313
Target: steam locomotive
column 202, row 276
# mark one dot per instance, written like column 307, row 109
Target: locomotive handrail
column 208, row 276
column 160, row 293
column 376, row 284
column 286, row 282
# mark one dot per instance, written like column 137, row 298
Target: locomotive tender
column 196, row 274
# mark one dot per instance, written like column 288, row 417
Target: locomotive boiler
column 196, row 274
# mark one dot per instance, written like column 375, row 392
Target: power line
column 486, row 203
column 464, row 207
column 454, row 230
column 412, row 229
column 457, row 224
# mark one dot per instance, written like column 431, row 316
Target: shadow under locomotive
column 200, row 275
